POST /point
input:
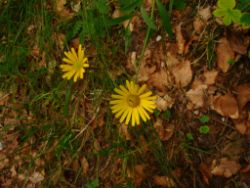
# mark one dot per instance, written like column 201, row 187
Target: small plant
column 204, row 129
column 93, row 184
column 189, row 137
column 204, row 119
column 227, row 10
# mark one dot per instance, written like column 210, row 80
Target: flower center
column 133, row 100
column 78, row 65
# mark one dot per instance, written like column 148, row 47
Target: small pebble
column 158, row 38
column 196, row 112
column 223, row 119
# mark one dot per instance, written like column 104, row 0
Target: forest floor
column 59, row 133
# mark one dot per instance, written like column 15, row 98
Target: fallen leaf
column 61, row 10
column 205, row 171
column 131, row 62
column 85, row 165
column 243, row 94
column 164, row 132
column 160, row 80
column 163, row 181
column 246, row 169
column 123, row 129
column 238, row 42
column 241, row 126
column 4, row 161
column 163, row 103
column 180, row 39
column 210, row 77
column 200, row 21
column 196, row 95
column 224, row 54
column 37, row 177
column 225, row 167
column 226, row 106
column 182, row 73
column 140, row 174
column 127, row 23
column 146, row 68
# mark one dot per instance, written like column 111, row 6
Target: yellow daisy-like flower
column 75, row 64
column 132, row 102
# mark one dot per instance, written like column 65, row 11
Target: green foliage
column 166, row 115
column 149, row 21
column 93, row 184
column 244, row 5
column 231, row 62
column 165, row 18
column 204, row 129
column 226, row 9
column 204, row 119
column 245, row 19
column 189, row 137
column 179, row 4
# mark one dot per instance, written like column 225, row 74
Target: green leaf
column 93, row 184
column 204, row 129
column 189, row 137
column 102, row 6
column 179, row 4
column 231, row 62
column 150, row 23
column 204, row 119
column 129, row 6
column 219, row 12
column 116, row 21
column 245, row 19
column 165, row 18
column 226, row 4
column 244, row 5
column 166, row 115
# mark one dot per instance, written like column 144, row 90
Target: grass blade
column 165, row 18
column 150, row 23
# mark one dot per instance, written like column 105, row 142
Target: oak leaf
column 226, row 105
column 182, row 73
column 243, row 94
column 224, row 54
column 226, row 168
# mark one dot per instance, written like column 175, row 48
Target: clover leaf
column 226, row 10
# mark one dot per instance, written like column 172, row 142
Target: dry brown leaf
column 146, row 68
column 127, row 23
column 180, row 39
column 205, row 171
column 196, row 95
column 163, row 181
column 226, row 106
column 246, row 169
column 123, row 129
column 4, row 97
column 61, row 10
column 160, row 80
column 140, row 174
column 165, row 133
column 85, row 165
column 224, row 54
column 210, row 77
column 241, row 126
column 238, row 42
column 203, row 15
column 37, row 177
column 163, row 103
column 4, row 161
column 172, row 60
column 243, row 94
column 182, row 73
column 226, row 168
column 131, row 62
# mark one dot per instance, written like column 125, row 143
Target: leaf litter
column 184, row 86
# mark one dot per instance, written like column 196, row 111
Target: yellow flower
column 132, row 102
column 75, row 64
